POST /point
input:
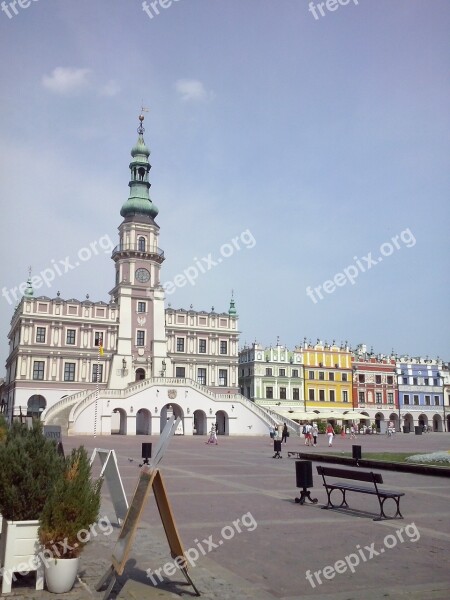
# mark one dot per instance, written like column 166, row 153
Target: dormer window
column 141, row 244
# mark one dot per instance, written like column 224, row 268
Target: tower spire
column 139, row 202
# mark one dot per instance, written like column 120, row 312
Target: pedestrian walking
column 330, row 434
column 352, row 432
column 212, row 436
column 314, row 432
column 284, row 434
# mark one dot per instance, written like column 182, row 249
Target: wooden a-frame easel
column 150, row 478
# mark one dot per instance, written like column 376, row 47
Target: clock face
column 142, row 275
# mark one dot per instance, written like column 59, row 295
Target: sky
column 291, row 150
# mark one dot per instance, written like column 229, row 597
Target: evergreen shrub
column 72, row 506
column 30, row 466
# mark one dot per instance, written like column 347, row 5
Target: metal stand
column 305, row 494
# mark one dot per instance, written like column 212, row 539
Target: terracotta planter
column 60, row 574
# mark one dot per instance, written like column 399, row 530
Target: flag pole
column 100, row 351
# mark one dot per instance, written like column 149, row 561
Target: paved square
column 235, row 510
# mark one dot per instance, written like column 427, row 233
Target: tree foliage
column 72, row 506
column 29, row 467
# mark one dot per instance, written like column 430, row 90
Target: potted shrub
column 72, row 507
column 29, row 466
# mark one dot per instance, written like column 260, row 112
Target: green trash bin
column 418, row 429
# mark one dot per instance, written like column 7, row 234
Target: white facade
column 123, row 366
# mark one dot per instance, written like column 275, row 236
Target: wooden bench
column 374, row 478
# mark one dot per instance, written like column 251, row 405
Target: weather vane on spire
column 141, row 118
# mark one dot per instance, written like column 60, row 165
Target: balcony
column 153, row 252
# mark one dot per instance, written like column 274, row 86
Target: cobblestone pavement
column 212, row 488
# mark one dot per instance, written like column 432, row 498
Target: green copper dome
column 140, row 148
column 139, row 201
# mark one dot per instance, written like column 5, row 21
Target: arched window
column 141, row 244
column 36, row 406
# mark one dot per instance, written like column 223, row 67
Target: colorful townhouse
column 375, row 388
column 421, row 394
column 328, row 377
column 271, row 376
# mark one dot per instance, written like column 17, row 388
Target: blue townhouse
column 421, row 394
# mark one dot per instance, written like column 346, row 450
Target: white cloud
column 66, row 80
column 193, row 89
column 112, row 88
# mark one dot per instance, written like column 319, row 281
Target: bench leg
column 383, row 514
column 330, row 504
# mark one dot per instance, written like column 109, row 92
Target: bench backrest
column 347, row 474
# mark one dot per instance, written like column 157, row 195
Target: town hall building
column 125, row 366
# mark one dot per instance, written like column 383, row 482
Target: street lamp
column 163, row 372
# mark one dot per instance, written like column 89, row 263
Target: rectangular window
column 202, row 346
column 390, row 398
column 406, row 399
column 282, row 373
column 268, row 371
column 427, row 400
column 294, row 372
column 180, row 372
column 38, row 369
column 98, row 337
column 321, row 395
column 416, row 399
column 362, row 397
column 331, row 376
column 361, row 378
column 269, row 392
column 201, row 376
column 321, row 376
column 70, row 337
column 377, row 378
column 141, row 308
column 223, row 377
column 332, row 396
column 405, row 381
column 414, row 380
column 180, row 344
column 435, row 382
column 344, row 376
column 436, row 400
column 97, row 371
column 295, row 394
column 311, row 394
column 140, row 338
column 69, row 372
column 40, row 335
column 390, row 379
column 282, row 393
column 426, row 381
column 311, row 374
column 378, row 398
column 344, row 396
column 223, row 347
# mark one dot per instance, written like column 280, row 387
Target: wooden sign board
column 128, row 531
column 110, row 472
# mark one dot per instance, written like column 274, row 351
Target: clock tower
column 141, row 345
